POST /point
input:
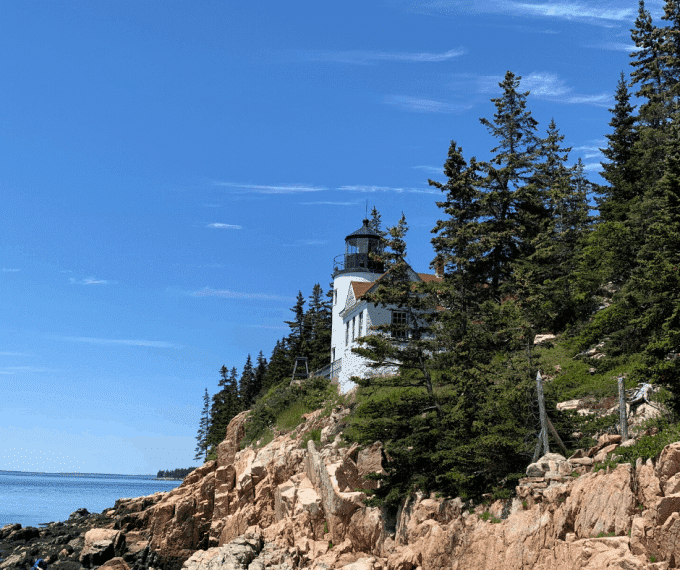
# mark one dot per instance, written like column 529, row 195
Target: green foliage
column 203, row 428
column 283, row 406
column 179, row 473
column 648, row 447
column 312, row 435
column 487, row 516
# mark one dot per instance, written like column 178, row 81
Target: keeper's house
column 354, row 274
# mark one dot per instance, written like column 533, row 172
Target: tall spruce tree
column 248, row 390
column 318, row 322
column 202, row 435
column 511, row 207
column 458, row 245
column 225, row 405
column 651, row 298
column 619, row 170
column 260, row 372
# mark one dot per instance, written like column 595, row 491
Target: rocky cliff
column 289, row 506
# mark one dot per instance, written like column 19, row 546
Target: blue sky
column 173, row 172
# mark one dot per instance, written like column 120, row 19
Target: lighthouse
column 354, row 272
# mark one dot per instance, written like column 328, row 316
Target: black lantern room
column 363, row 250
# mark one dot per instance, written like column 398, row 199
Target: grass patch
column 312, row 435
column 283, row 406
column 648, row 447
column 291, row 417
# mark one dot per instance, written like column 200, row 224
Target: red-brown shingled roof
column 428, row 277
column 360, row 287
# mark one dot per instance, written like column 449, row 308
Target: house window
column 332, row 355
column 353, row 323
column 399, row 324
column 335, row 296
column 361, row 322
column 346, row 333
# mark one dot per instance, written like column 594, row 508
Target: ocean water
column 32, row 499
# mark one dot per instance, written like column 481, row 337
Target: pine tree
column 546, row 278
column 297, row 339
column 652, row 295
column 458, row 246
column 620, row 170
column 376, row 222
column 202, row 435
column 260, row 372
column 225, row 405
column 318, row 322
column 247, row 388
column 280, row 366
column 511, row 206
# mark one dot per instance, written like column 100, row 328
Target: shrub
column 312, row 435
column 283, row 407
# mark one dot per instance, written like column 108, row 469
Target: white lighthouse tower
column 353, row 273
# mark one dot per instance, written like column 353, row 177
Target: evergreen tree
column 280, row 368
column 225, row 405
column 260, row 372
column 650, row 73
column 651, row 298
column 511, row 208
column 376, row 222
column 297, row 339
column 202, row 435
column 247, row 387
column 458, row 245
column 546, row 278
column 318, row 322
column 620, row 170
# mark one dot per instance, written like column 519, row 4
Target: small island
column 172, row 474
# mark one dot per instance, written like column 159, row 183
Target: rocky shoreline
column 293, row 505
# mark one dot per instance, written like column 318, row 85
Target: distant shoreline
column 77, row 474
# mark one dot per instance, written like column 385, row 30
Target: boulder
column 101, row 545
column 116, row 563
column 550, row 462
column 668, row 463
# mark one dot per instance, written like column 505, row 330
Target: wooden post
column 623, row 413
column 557, row 437
column 541, row 411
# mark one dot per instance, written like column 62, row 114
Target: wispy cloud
column 120, row 342
column 365, row 188
column 571, row 11
column 10, row 270
column 329, row 203
column 601, row 100
column 542, row 85
column 226, row 294
column 91, row 281
column 271, row 327
column 10, row 353
column 221, row 226
column 7, row 370
column 430, row 169
column 591, row 151
column 591, row 12
column 617, row 46
column 422, row 105
column 593, row 167
column 303, row 242
column 270, row 189
column 372, row 57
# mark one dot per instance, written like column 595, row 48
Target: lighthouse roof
column 364, row 231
